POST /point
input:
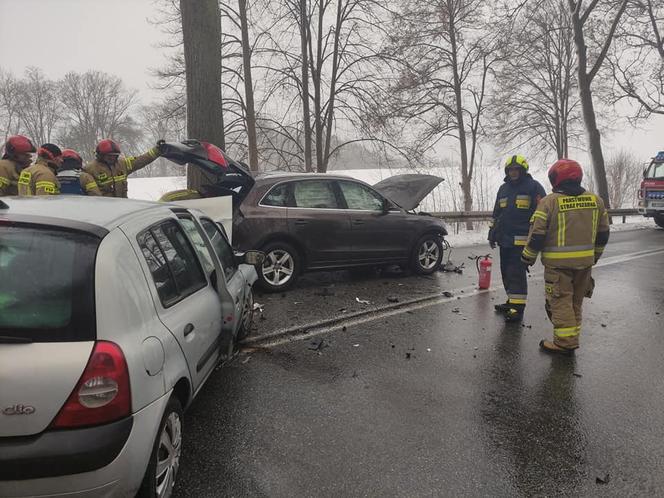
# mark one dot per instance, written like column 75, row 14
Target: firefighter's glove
column 160, row 146
column 492, row 238
column 527, row 261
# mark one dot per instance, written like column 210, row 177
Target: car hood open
column 233, row 177
column 408, row 190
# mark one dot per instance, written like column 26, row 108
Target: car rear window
column 47, row 284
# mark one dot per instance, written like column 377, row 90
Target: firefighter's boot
column 501, row 308
column 513, row 315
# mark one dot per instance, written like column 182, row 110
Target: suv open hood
column 407, row 190
column 233, row 177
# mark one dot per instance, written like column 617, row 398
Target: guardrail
column 464, row 216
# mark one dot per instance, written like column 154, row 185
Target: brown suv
column 309, row 221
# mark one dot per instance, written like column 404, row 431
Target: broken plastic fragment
column 362, row 301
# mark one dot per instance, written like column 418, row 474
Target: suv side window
column 279, row 196
column 221, row 246
column 360, row 197
column 172, row 262
column 315, row 194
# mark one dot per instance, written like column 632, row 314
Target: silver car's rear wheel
column 162, row 471
column 168, row 455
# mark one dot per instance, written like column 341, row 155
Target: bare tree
column 250, row 111
column 96, row 105
column 600, row 31
column 39, row 107
column 536, row 104
column 623, row 171
column 637, row 63
column 445, row 65
column 201, row 31
column 10, row 104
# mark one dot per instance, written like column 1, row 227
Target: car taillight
column 102, row 394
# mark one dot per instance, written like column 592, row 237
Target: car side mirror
column 253, row 258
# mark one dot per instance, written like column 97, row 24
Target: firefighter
column 570, row 228
column 17, row 155
column 515, row 203
column 110, row 170
column 40, row 178
column 73, row 180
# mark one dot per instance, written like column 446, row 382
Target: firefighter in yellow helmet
column 515, row 203
column 570, row 228
column 41, row 178
column 110, row 169
column 17, row 156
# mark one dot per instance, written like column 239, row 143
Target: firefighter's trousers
column 514, row 276
column 565, row 290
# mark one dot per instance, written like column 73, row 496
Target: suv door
column 378, row 235
column 186, row 302
column 318, row 220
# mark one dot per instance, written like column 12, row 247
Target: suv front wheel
column 280, row 268
column 427, row 254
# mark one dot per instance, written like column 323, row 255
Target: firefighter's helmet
column 72, row 157
column 565, row 170
column 18, row 144
column 107, row 147
column 50, row 152
column 516, row 161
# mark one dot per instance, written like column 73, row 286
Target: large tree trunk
column 248, row 88
column 333, row 87
column 304, row 45
column 466, row 174
column 201, row 32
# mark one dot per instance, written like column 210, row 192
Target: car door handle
column 301, row 222
column 188, row 329
column 358, row 222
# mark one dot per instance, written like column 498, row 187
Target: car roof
column 275, row 176
column 104, row 212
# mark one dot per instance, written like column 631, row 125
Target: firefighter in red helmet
column 110, row 169
column 41, row 178
column 16, row 156
column 570, row 229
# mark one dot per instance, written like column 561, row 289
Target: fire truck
column 651, row 193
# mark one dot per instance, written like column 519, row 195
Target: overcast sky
column 115, row 36
column 76, row 35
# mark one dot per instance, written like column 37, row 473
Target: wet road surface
column 445, row 400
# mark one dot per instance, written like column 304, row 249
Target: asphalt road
column 441, row 398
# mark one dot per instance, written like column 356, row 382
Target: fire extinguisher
column 484, row 271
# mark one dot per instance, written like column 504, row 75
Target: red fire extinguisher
column 484, row 271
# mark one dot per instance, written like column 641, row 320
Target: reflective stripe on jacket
column 569, row 230
column 112, row 180
column 38, row 179
column 9, row 173
column 515, row 204
column 180, row 195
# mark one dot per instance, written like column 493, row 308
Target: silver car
column 113, row 313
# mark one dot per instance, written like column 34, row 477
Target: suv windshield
column 47, row 284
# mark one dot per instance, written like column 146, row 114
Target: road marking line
column 307, row 331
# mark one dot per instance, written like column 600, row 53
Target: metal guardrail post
column 461, row 216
